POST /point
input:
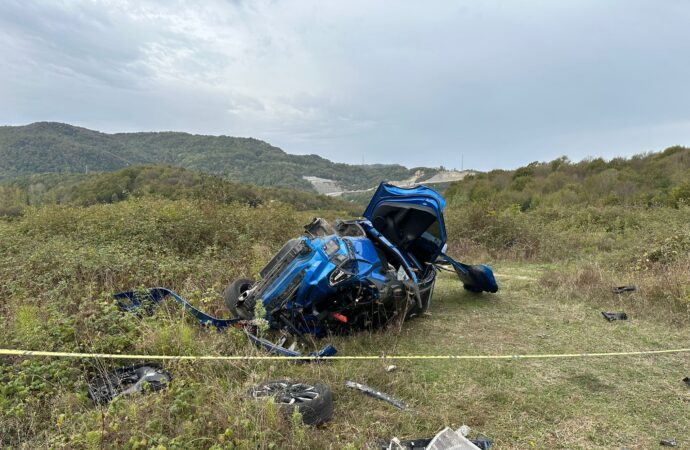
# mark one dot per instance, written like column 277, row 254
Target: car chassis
column 356, row 274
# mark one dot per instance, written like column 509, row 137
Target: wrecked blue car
column 358, row 274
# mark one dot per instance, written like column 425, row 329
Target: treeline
column 633, row 212
column 55, row 147
column 150, row 181
column 653, row 179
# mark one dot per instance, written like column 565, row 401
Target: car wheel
column 235, row 301
column 313, row 401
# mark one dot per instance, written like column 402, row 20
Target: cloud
column 421, row 84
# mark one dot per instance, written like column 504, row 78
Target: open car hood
column 404, row 215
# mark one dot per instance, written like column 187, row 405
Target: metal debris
column 611, row 316
column 376, row 394
column 621, row 289
column 128, row 380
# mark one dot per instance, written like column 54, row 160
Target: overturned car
column 360, row 273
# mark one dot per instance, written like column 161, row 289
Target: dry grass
column 629, row 402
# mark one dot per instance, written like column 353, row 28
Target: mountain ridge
column 47, row 147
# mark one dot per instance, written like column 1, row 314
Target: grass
column 628, row 402
column 60, row 264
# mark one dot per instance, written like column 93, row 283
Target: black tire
column 313, row 401
column 244, row 309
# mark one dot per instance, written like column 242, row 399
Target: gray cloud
column 418, row 83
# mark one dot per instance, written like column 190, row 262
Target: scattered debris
column 376, row 394
column 412, row 444
column 669, row 442
column 621, row 289
column 391, row 368
column 480, row 443
column 448, row 439
column 686, row 380
column 464, row 430
column 138, row 302
column 611, row 316
column 128, row 380
column 313, row 401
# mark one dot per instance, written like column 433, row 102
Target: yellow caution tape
column 30, row 353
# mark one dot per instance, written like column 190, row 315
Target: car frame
column 359, row 273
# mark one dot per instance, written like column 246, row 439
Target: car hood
column 418, row 195
column 405, row 215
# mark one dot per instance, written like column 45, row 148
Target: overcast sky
column 416, row 83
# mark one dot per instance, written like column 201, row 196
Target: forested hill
column 46, row 147
column 649, row 179
column 160, row 181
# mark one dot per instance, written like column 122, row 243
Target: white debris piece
column 448, row 439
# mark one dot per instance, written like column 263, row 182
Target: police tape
column 385, row 357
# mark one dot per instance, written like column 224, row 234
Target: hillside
column 168, row 182
column 47, row 147
column 649, row 179
column 556, row 259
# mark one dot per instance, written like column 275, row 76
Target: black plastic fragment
column 686, row 380
column 611, row 316
column 669, row 443
column 621, row 289
column 482, row 442
column 128, row 380
column 411, row 444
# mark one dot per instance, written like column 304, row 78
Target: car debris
column 357, row 274
column 313, row 401
column 446, row 439
column 134, row 301
column 669, row 442
column 376, row 394
column 128, row 380
column 611, row 316
column 621, row 289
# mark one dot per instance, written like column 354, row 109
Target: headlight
column 338, row 275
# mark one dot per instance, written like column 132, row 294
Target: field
column 60, row 264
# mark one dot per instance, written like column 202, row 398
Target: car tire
column 313, row 401
column 231, row 295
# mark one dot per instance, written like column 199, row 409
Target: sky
column 484, row 84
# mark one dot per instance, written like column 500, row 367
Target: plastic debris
column 669, row 443
column 376, row 394
column 391, row 368
column 621, row 289
column 128, row 380
column 446, row 439
column 611, row 316
column 686, row 380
